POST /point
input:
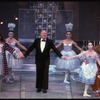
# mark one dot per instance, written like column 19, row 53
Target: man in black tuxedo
column 43, row 46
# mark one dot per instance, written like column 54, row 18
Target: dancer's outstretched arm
column 76, row 56
column 58, row 45
column 77, row 46
column 19, row 44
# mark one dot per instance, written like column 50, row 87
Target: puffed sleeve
column 97, row 56
column 83, row 56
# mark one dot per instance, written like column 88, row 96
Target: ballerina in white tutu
column 69, row 65
column 12, row 62
column 87, row 72
column 4, row 73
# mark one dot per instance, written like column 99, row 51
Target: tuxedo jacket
column 45, row 55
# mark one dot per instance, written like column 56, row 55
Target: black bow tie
column 43, row 40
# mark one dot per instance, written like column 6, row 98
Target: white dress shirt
column 42, row 44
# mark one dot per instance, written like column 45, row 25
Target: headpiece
column 11, row 26
column 69, row 27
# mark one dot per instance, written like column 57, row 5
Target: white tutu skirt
column 12, row 62
column 70, row 64
column 87, row 73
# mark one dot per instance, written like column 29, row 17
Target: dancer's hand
column 22, row 56
column 51, row 50
column 99, row 76
column 86, row 61
column 31, row 53
column 64, row 57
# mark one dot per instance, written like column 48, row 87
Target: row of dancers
column 87, row 72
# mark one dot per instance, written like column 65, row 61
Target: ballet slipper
column 97, row 94
column 8, row 80
column 66, row 82
column 13, row 76
column 86, row 95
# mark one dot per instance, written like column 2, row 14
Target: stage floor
column 24, row 86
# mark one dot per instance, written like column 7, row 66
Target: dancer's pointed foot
column 13, row 76
column 66, row 82
column 9, row 81
column 86, row 95
column 97, row 94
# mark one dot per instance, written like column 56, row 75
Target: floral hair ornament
column 11, row 26
column 69, row 27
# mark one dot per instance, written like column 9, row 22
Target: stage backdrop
column 26, row 25
column 63, row 17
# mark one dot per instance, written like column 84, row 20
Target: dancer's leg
column 97, row 93
column 8, row 79
column 11, row 75
column 66, row 77
column 73, row 73
column 85, row 90
column 72, row 77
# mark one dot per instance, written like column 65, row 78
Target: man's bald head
column 43, row 34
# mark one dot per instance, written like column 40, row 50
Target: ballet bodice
column 13, row 44
column 91, row 59
column 67, row 47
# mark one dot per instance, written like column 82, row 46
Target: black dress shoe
column 44, row 91
column 39, row 90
